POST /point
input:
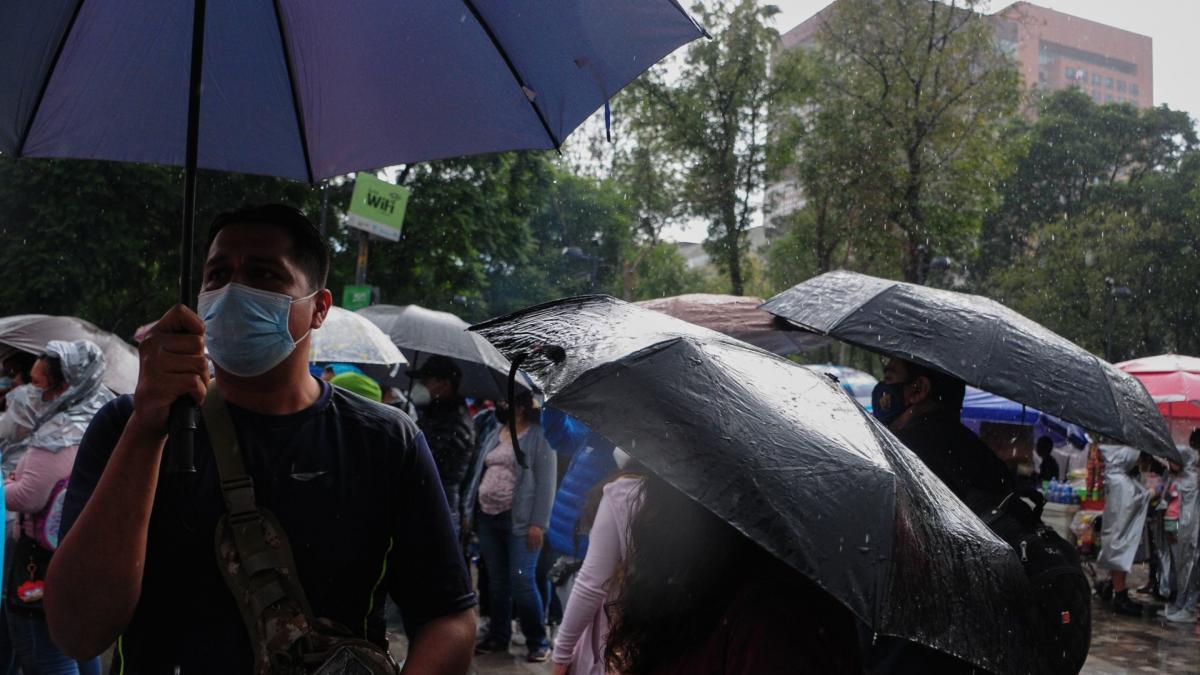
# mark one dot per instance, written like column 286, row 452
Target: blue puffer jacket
column 591, row 462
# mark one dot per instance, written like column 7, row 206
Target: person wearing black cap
column 447, row 426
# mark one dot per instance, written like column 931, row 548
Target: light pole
column 1115, row 293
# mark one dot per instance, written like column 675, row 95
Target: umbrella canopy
column 346, row 337
column 983, row 343
column 786, row 457
column 855, row 382
column 738, row 316
column 421, row 333
column 981, row 406
column 30, row 333
column 1172, row 380
column 310, row 90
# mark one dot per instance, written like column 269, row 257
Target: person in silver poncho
column 1125, row 503
column 66, row 392
column 1184, row 551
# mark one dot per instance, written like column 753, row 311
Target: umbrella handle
column 181, row 439
column 512, row 408
column 554, row 353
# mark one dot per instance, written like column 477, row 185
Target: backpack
column 1062, row 597
column 47, row 522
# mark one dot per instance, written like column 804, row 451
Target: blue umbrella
column 310, row 90
column 981, row 406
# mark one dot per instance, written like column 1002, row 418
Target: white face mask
column 246, row 329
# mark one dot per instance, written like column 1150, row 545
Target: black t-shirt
column 964, row 463
column 355, row 488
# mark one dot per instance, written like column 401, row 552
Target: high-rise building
column 1052, row 51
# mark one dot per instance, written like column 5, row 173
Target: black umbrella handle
column 554, row 353
column 181, row 441
column 512, row 408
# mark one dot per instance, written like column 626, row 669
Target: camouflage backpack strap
column 255, row 558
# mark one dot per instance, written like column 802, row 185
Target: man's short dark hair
column 946, row 389
column 309, row 251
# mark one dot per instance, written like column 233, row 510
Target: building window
column 1096, row 95
column 1108, row 98
column 1133, row 88
column 1108, row 83
column 1095, row 80
column 1121, row 85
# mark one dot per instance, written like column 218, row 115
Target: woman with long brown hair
column 699, row 598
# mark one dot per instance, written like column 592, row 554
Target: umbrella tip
column 553, row 352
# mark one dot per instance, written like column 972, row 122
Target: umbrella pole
column 180, row 457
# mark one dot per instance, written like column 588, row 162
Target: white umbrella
column 346, row 337
column 30, row 333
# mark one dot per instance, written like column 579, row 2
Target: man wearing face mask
column 447, row 426
column 351, row 482
column 923, row 408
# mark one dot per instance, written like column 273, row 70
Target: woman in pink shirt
column 579, row 645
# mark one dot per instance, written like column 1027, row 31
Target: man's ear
column 322, row 301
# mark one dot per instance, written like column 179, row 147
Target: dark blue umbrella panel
column 310, row 90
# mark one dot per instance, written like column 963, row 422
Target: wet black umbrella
column 421, row 333
column 983, row 343
column 791, row 461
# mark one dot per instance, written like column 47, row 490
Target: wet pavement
column 1120, row 646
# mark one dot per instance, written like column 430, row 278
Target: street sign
column 356, row 296
column 377, row 206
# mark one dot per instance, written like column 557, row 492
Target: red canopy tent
column 1172, row 380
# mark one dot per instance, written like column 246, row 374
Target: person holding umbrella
column 922, row 407
column 350, row 482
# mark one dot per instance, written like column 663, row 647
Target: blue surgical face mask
column 246, row 329
column 887, row 401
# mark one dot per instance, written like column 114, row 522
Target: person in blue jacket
column 590, row 461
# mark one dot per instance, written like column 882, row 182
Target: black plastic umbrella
column 791, row 461
column 983, row 343
column 421, row 333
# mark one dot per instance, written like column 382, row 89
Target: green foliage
column 1127, row 213
column 100, row 240
column 1080, row 155
column 899, row 141
column 711, row 120
column 661, row 271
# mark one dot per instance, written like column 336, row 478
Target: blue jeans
column 37, row 654
column 512, row 570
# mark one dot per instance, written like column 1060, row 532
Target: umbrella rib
column 291, row 75
column 525, row 90
column 37, row 104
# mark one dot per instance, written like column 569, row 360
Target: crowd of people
column 318, row 494
column 1150, row 516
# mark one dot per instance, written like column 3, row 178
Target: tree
column 711, row 120
column 902, row 128
column 100, row 240
column 466, row 218
column 1080, row 154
